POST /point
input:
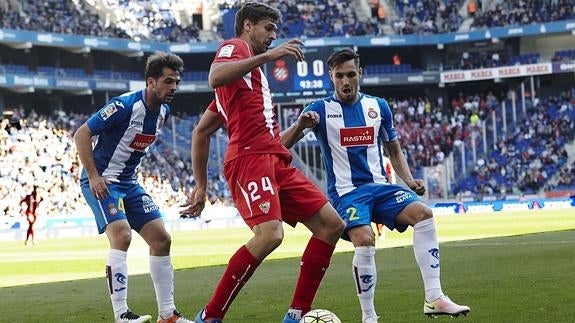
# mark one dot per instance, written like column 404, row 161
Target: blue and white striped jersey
column 350, row 138
column 125, row 128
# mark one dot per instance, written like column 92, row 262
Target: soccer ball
column 320, row 316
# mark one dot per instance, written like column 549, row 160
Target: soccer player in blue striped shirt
column 124, row 129
column 352, row 128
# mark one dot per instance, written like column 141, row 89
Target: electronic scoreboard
column 290, row 80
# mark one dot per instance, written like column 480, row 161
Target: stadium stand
column 308, row 19
column 521, row 12
column 530, row 155
column 149, row 20
column 501, row 138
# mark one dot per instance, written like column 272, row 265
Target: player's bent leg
column 426, row 250
column 425, row 246
column 444, row 306
column 326, row 224
column 156, row 236
column 267, row 237
column 132, row 317
column 364, row 270
column 327, row 227
column 414, row 213
column 119, row 235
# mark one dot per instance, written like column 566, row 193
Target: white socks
column 365, row 277
column 162, row 274
column 426, row 249
column 117, row 277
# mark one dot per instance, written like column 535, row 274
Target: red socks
column 240, row 268
column 242, row 264
column 314, row 263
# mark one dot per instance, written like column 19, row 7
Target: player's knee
column 420, row 212
column 427, row 213
column 273, row 238
column 362, row 236
column 338, row 227
column 161, row 244
column 332, row 230
column 267, row 237
column 122, row 239
column 365, row 241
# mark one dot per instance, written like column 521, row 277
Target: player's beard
column 168, row 98
column 347, row 96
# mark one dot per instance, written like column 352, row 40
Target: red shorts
column 266, row 187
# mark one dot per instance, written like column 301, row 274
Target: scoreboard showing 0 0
column 313, row 79
column 290, row 80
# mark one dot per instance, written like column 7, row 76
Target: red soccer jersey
column 246, row 106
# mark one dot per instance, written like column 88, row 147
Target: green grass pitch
column 509, row 267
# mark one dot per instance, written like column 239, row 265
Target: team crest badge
column 372, row 113
column 265, row 207
column 112, row 209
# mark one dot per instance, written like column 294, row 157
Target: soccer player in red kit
column 266, row 189
column 32, row 201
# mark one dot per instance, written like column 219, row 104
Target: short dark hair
column 341, row 56
column 255, row 12
column 157, row 61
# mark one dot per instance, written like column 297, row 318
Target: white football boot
column 131, row 317
column 444, row 306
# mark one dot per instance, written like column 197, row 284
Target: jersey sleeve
column 310, row 107
column 212, row 106
column 315, row 106
column 107, row 117
column 387, row 129
column 318, row 107
column 232, row 50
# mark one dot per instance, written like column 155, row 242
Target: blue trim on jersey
column 125, row 127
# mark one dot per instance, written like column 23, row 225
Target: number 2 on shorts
column 352, row 212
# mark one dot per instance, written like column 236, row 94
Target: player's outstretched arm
column 223, row 73
column 295, row 132
column 209, row 123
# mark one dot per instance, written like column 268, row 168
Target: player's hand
column 418, row 186
column 99, row 187
column 292, row 47
column 195, row 203
column 308, row 120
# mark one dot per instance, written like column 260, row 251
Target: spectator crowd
column 38, row 150
column 159, row 20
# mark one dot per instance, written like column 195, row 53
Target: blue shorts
column 378, row 203
column 126, row 201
